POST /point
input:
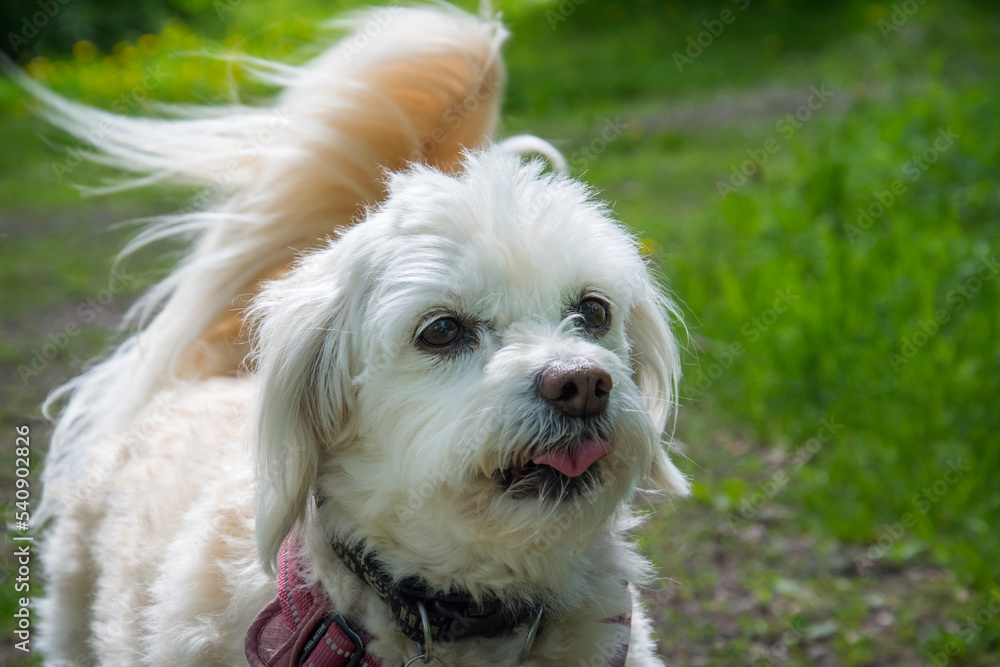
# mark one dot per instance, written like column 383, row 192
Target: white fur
column 167, row 523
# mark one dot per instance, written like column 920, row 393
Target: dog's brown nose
column 578, row 387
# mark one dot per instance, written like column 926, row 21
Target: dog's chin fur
column 167, row 527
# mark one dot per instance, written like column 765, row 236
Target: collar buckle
column 321, row 631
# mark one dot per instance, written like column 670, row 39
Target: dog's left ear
column 303, row 333
column 656, row 369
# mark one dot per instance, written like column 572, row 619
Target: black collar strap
column 450, row 616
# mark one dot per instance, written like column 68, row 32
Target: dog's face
column 483, row 365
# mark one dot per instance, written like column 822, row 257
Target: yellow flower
column 39, row 67
column 128, row 54
column 148, row 43
column 171, row 37
column 84, row 50
column 874, row 14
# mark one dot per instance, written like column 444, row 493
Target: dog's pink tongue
column 575, row 462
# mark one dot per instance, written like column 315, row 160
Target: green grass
column 840, row 350
column 798, row 314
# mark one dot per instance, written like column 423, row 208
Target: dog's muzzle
column 577, row 390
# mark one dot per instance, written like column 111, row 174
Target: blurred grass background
column 837, row 268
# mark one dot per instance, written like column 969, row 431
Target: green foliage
column 36, row 27
column 887, row 243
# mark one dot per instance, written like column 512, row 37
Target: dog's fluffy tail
column 405, row 85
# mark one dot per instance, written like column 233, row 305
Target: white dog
column 426, row 448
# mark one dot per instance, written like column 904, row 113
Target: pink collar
column 298, row 628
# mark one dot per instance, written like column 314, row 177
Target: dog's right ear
column 656, row 369
column 302, row 335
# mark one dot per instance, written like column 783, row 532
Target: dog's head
column 482, row 366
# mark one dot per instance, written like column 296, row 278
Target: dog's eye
column 594, row 313
column 441, row 332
